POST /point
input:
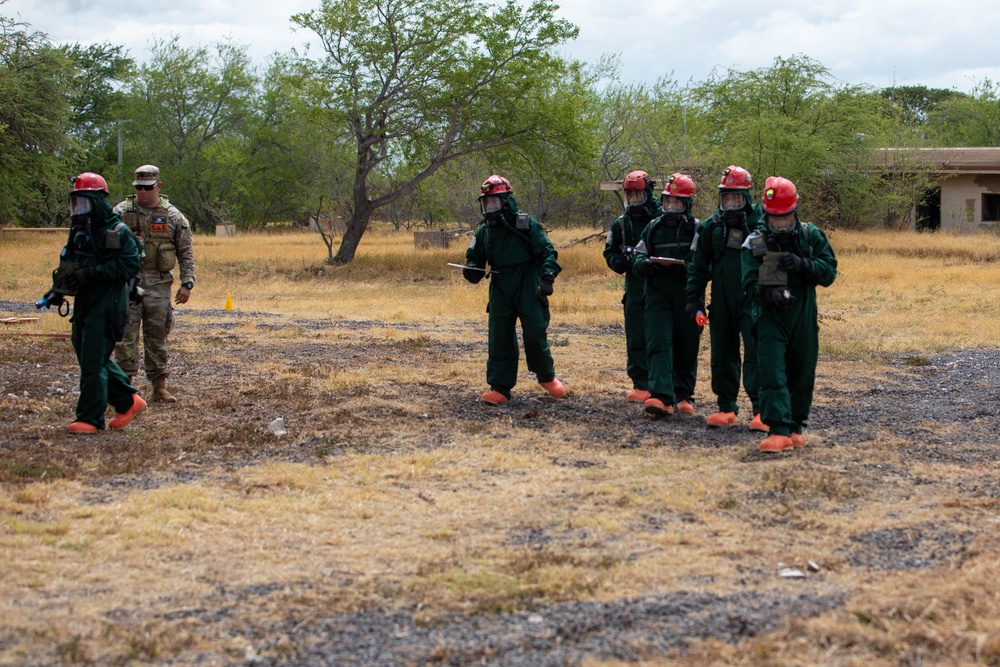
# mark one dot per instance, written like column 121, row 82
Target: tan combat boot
column 160, row 392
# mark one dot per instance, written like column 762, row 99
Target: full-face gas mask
column 674, row 210
column 491, row 207
column 82, row 212
column 732, row 204
column 782, row 227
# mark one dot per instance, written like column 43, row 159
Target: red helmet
column 735, row 178
column 637, row 180
column 678, row 185
column 90, row 181
column 780, row 196
column 496, row 185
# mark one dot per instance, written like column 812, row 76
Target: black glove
column 545, row 286
column 620, row 264
column 473, row 275
column 794, row 263
column 779, row 297
column 646, row 267
column 693, row 307
column 80, row 277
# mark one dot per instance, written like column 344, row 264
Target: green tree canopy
column 415, row 84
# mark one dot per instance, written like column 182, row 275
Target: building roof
column 980, row 160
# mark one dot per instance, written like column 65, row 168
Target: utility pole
column 121, row 180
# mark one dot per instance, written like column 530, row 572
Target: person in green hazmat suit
column 641, row 207
column 96, row 264
column 783, row 262
column 717, row 258
column 672, row 337
column 522, row 267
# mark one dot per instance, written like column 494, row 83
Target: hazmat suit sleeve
column 700, row 262
column 613, row 244
column 543, row 250
column 475, row 255
column 824, row 262
column 751, row 267
column 641, row 251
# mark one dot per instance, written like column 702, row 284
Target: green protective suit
column 716, row 258
column 788, row 337
column 519, row 254
column 100, row 309
column 623, row 236
column 672, row 336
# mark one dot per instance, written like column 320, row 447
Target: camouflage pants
column 156, row 316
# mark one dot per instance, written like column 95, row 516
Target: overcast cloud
column 882, row 43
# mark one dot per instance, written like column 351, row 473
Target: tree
column 96, row 103
column 188, row 113
column 418, row 83
column 968, row 120
column 914, row 104
column 34, row 114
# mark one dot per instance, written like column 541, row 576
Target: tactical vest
column 154, row 230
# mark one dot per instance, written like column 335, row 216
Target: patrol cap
column 147, row 174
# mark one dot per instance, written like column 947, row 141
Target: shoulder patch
column 472, row 244
column 610, row 238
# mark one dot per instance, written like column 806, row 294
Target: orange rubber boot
column 798, row 440
column 637, row 396
column 81, row 427
column 721, row 419
column 493, row 398
column 757, row 424
column 657, row 408
column 776, row 443
column 555, row 388
column 122, row 419
column 685, row 408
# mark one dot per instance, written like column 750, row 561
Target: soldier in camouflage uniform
column 165, row 234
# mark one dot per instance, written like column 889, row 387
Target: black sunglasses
column 144, row 187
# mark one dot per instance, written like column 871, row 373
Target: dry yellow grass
column 896, row 292
column 109, row 580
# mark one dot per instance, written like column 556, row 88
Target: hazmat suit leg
column 102, row 381
column 803, row 355
column 687, row 340
column 533, row 312
column 724, row 332
column 772, row 355
column 637, row 365
column 501, row 366
column 751, row 374
column 659, row 344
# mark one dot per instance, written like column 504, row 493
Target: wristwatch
column 188, row 285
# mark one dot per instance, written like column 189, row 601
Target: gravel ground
column 559, row 635
column 944, row 407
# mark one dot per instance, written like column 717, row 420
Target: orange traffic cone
column 229, row 302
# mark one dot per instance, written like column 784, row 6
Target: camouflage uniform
column 166, row 236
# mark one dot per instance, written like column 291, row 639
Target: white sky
column 878, row 42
